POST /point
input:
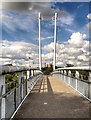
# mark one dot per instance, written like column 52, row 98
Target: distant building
column 49, row 65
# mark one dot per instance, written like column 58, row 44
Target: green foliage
column 47, row 70
column 73, row 73
column 9, row 78
column 11, row 81
column 84, row 74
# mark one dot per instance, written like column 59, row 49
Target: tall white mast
column 55, row 37
column 40, row 64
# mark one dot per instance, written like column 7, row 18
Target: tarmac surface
column 52, row 98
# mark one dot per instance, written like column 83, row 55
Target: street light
column 29, row 61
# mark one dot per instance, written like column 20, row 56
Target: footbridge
column 65, row 93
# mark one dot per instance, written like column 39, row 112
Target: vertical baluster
column 28, row 82
column 15, row 97
column 69, row 78
column 20, row 86
column 32, row 72
column 28, row 74
column 77, row 77
column 3, row 91
column 61, row 74
column 89, row 86
column 64, row 75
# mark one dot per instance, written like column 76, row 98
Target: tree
column 47, row 70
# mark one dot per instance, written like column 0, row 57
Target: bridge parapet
column 14, row 92
column 78, row 78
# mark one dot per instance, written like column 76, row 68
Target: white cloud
column 77, row 39
column 13, row 22
column 49, row 47
column 89, row 16
column 83, row 57
column 3, row 17
column 46, row 1
column 47, row 12
column 5, row 60
column 45, row 38
column 68, row 20
column 69, row 30
column 17, row 51
column 87, row 46
column 75, row 51
column 60, row 64
column 89, row 24
column 0, row 5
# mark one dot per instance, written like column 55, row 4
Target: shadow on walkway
column 52, row 98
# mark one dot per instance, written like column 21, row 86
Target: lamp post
column 55, row 37
column 29, row 61
column 40, row 64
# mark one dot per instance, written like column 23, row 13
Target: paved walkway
column 52, row 98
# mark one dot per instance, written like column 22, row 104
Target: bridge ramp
column 52, row 98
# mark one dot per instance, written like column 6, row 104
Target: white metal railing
column 11, row 100
column 78, row 78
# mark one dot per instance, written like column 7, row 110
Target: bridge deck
column 52, row 98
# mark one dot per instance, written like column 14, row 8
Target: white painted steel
column 84, row 88
column 3, row 91
column 40, row 64
column 55, row 39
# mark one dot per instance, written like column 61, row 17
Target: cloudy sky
column 19, row 32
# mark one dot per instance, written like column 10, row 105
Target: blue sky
column 21, row 24
column 24, row 26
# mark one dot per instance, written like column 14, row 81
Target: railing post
column 64, row 75
column 32, row 72
column 15, row 97
column 69, row 74
column 28, row 74
column 60, row 73
column 21, row 85
column 77, row 77
column 28, row 83
column 89, row 86
column 3, row 91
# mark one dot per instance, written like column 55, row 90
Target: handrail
column 12, row 69
column 19, row 91
column 12, row 90
column 75, row 68
column 79, row 78
column 86, row 81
